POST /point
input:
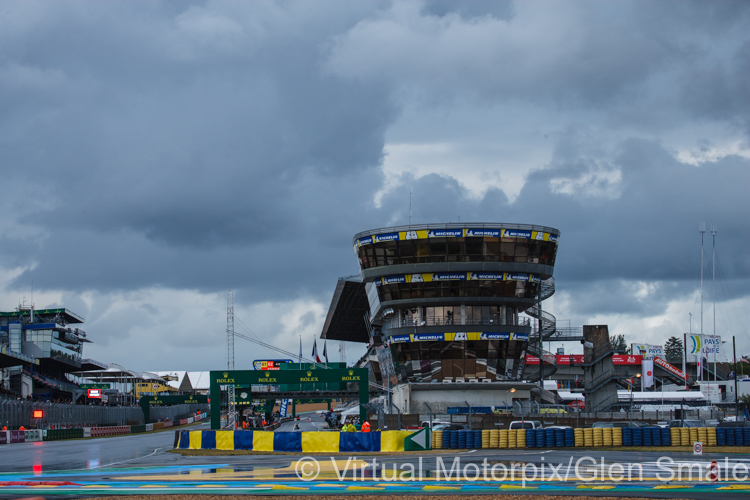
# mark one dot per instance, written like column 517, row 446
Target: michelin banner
column 457, row 233
column 458, row 336
column 429, row 277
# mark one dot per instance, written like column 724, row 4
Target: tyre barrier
column 507, row 439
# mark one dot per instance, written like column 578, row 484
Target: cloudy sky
column 156, row 154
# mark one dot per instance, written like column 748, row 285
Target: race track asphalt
column 141, row 464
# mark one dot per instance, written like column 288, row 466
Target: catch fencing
column 14, row 414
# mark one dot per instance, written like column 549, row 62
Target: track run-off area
column 147, row 465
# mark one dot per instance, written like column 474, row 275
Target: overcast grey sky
column 155, row 154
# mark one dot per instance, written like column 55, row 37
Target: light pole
column 505, row 395
column 637, row 375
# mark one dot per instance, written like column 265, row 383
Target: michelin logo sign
column 494, row 233
column 393, row 279
column 437, row 233
column 385, row 237
column 486, row 276
column 448, row 276
column 516, row 233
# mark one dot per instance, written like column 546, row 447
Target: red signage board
column 95, row 393
column 627, row 359
column 671, row 369
column 577, row 359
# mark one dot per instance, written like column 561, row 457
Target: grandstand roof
column 182, row 384
column 116, row 373
column 69, row 316
column 345, row 319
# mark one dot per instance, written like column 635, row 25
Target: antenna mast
column 410, row 206
column 230, row 329
column 231, row 402
column 714, row 230
column 702, row 230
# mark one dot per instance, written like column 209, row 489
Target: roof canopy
column 346, row 315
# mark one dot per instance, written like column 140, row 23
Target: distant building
column 38, row 348
column 448, row 303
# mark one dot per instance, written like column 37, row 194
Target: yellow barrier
column 324, row 442
column 494, row 438
column 702, row 436
column 512, row 439
column 674, row 433
column 598, row 436
column 263, row 441
column 437, row 440
column 195, row 440
column 503, row 438
column 521, row 438
column 588, row 437
column 393, row 440
column 486, row 438
column 607, row 437
column 712, row 436
column 684, row 436
column 158, row 425
column 578, row 436
column 617, row 436
column 224, row 440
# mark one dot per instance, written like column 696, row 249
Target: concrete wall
column 411, row 399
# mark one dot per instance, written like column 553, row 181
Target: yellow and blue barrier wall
column 387, row 441
column 302, row 442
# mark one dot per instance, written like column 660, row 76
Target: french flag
column 315, row 351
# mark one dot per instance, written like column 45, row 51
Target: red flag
column 315, row 351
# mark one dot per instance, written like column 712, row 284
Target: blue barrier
column 469, row 439
column 243, row 440
column 287, row 441
column 360, row 441
column 627, row 436
column 184, row 440
column 446, row 439
column 666, row 437
column 638, row 437
column 656, row 437
column 540, row 438
column 560, row 438
column 208, row 440
column 721, row 436
column 477, row 439
column 530, row 438
column 549, row 438
column 454, row 439
column 461, row 440
column 647, row 441
column 730, row 437
column 570, row 437
column 746, row 432
column 739, row 439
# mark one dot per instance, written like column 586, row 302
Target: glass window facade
column 427, row 361
column 469, row 249
column 442, row 289
column 52, row 346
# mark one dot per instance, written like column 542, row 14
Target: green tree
column 618, row 344
column 673, row 349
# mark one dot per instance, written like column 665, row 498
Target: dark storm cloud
column 645, row 232
column 208, row 146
